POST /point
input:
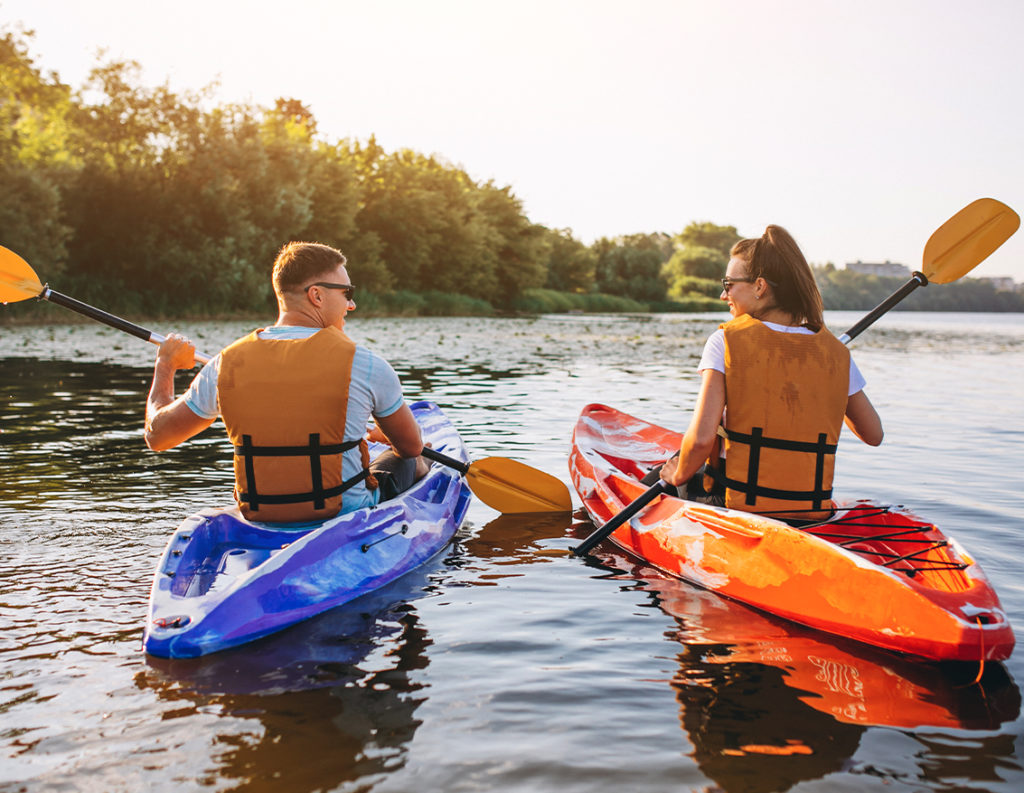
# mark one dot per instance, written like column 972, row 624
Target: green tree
column 168, row 203
column 570, row 263
column 630, row 267
column 658, row 242
column 702, row 252
column 517, row 244
column 337, row 198
column 687, row 286
column 185, row 208
column 695, row 261
column 439, row 230
column 707, row 235
column 401, row 214
column 33, row 151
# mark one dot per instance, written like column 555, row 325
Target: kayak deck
column 223, row 580
column 875, row 573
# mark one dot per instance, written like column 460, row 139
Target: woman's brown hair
column 776, row 258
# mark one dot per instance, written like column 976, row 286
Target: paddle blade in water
column 510, row 486
column 17, row 280
column 966, row 239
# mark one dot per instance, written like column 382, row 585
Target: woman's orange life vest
column 785, row 396
column 284, row 403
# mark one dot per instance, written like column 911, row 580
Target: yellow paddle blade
column 510, row 486
column 17, row 280
column 966, row 239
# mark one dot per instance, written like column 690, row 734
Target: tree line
column 152, row 201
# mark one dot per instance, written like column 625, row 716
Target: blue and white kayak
column 224, row 580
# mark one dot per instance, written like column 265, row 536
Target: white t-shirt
column 714, row 354
column 373, row 390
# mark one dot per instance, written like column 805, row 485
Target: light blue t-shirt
column 373, row 390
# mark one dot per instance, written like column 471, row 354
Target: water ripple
column 503, row 664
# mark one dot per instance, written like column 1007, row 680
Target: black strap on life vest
column 757, row 441
column 314, row 451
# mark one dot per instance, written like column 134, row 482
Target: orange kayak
column 874, row 573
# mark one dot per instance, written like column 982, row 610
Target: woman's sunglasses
column 728, row 282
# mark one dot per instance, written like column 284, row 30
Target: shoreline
column 73, row 320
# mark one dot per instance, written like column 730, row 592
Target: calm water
column 504, row 664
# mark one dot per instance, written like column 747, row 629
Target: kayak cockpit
column 888, row 537
column 221, row 549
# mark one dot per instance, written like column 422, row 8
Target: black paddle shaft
column 638, row 504
column 444, row 459
column 916, row 280
column 96, row 314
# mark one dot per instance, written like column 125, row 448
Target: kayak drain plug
column 368, row 545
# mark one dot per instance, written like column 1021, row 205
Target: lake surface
column 504, row 664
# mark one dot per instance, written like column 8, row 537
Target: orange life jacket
column 284, row 404
column 786, row 396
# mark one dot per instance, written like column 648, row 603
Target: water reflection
column 73, row 431
column 333, row 699
column 767, row 703
column 511, row 540
column 753, row 690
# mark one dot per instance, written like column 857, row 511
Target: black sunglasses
column 728, row 282
column 349, row 289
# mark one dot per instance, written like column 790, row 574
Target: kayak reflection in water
column 295, row 399
column 785, row 385
column 330, row 701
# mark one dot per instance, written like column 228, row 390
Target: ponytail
column 776, row 258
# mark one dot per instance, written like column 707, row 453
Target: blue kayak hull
column 223, row 580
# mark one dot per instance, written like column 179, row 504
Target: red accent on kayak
column 877, row 574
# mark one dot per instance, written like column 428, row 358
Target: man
column 295, row 399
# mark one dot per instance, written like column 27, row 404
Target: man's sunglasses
column 349, row 289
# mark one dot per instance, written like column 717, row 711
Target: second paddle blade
column 967, row 239
column 509, row 486
column 18, row 281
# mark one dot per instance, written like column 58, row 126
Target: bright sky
column 860, row 126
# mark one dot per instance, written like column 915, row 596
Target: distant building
column 885, row 269
column 1002, row 283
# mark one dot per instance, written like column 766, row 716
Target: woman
column 784, row 384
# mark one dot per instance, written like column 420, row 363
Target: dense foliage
column 146, row 200
column 844, row 289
